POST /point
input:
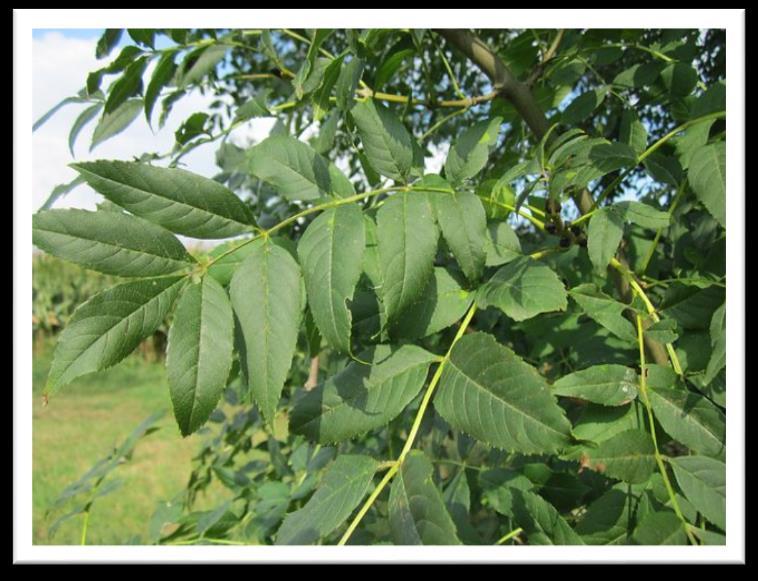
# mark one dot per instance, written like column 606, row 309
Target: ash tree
column 470, row 288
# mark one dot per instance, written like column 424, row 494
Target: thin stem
column 85, row 525
column 651, row 310
column 449, row 69
column 649, row 408
column 432, row 385
column 306, row 212
column 441, row 122
column 369, row 502
column 413, row 432
column 510, row 535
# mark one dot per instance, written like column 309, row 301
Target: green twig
column 651, row 421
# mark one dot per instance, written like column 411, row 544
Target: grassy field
column 81, row 424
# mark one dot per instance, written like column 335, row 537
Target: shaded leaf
column 487, row 391
column 416, row 511
column 343, row 486
column 362, row 396
column 522, row 289
column 609, row 385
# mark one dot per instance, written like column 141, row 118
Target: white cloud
column 60, row 66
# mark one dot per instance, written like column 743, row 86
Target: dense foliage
column 526, row 345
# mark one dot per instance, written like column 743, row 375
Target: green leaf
column 664, row 331
column 223, row 267
column 583, row 106
column 347, row 82
column 143, row 36
column 718, row 344
column 691, row 419
column 463, row 223
column 523, row 289
column 604, row 310
column 178, row 200
column 390, row 66
column 442, row 303
column 199, row 354
column 267, row 295
column 663, row 168
column 541, row 521
column 603, row 237
column 502, row 245
column 610, row 385
column 417, row 513
column 331, row 253
column 192, row 127
column 691, row 140
column 607, row 519
column 343, row 486
column 407, row 238
column 707, row 176
column 703, row 481
column 109, row 242
column 660, row 528
column 257, row 106
column 633, row 132
column 128, row 85
column 296, row 170
column 642, row 215
column 61, row 190
column 457, row 499
column 111, row 124
column 628, row 456
column 324, row 141
column 320, row 98
column 107, row 42
column 598, row 423
column 162, row 76
column 67, row 101
column 109, row 326
column 386, row 141
column 362, row 396
column 679, row 78
column 468, row 155
column 81, row 121
column 205, row 60
column 487, row 391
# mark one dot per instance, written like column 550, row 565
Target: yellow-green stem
column 638, row 291
column 510, row 535
column 651, row 422
column 85, row 525
column 412, row 434
column 652, row 149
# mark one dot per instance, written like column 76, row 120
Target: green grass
column 81, row 424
